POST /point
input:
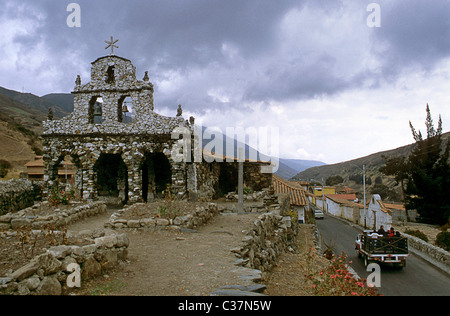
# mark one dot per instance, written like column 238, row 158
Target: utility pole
column 240, row 181
column 323, row 198
column 364, row 186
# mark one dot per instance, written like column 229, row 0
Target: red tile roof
column 297, row 195
column 344, row 202
column 350, row 197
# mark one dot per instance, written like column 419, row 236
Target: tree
column 397, row 167
column 4, row 167
column 385, row 192
column 333, row 180
column 428, row 177
column 50, row 114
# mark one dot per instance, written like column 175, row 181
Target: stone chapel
column 120, row 147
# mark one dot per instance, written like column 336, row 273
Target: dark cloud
column 297, row 80
column 189, row 36
column 414, row 33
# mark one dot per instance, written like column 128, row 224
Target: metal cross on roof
column 111, row 44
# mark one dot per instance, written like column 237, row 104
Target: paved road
column 417, row 278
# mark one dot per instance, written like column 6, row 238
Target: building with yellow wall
column 317, row 191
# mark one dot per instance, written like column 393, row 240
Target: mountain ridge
column 352, row 170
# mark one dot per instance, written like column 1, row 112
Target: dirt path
column 174, row 263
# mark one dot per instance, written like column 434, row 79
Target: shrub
column 336, row 280
column 57, row 196
column 5, row 166
column 417, row 233
column 246, row 190
column 443, row 240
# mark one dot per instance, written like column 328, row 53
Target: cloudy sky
column 334, row 87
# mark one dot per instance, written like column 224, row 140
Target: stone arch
column 228, row 177
column 111, row 176
column 156, row 173
column 128, row 101
column 110, row 75
column 92, row 109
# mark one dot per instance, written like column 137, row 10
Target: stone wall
column 47, row 273
column 254, row 178
column 17, row 194
column 436, row 253
column 199, row 216
column 271, row 235
column 206, row 180
column 58, row 218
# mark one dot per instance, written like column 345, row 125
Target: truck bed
column 384, row 245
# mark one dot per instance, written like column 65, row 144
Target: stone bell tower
column 113, row 79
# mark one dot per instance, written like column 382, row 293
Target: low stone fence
column 58, row 218
column 255, row 196
column 48, row 273
column 17, row 194
column 436, row 253
column 199, row 216
column 270, row 236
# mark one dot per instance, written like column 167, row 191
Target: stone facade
column 96, row 130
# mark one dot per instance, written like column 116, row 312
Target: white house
column 297, row 195
column 344, row 208
column 378, row 214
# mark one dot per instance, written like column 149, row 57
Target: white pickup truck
column 373, row 247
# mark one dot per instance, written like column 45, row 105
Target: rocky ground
column 193, row 262
column 288, row 276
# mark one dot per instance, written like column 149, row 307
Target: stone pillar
column 179, row 175
column 50, row 169
column 110, row 104
column 134, row 181
column 88, row 180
